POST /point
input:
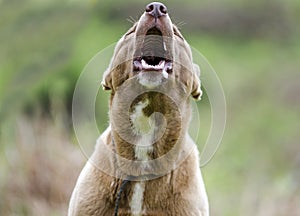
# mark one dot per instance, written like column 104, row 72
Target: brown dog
column 145, row 163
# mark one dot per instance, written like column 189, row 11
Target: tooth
column 137, row 65
column 165, row 74
column 163, row 64
column 144, row 64
column 168, row 66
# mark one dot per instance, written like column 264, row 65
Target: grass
column 39, row 168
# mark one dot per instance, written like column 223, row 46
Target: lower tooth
column 165, row 74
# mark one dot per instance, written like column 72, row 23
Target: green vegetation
column 253, row 46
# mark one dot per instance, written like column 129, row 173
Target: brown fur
column 179, row 192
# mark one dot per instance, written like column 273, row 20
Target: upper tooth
column 162, row 63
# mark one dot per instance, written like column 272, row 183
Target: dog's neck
column 146, row 128
column 156, row 124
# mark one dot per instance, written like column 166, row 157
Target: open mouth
column 153, row 56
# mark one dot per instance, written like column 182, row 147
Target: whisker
column 131, row 20
column 180, row 24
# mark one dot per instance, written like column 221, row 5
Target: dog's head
column 153, row 51
column 151, row 77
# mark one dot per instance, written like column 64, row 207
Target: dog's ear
column 107, row 80
column 196, row 86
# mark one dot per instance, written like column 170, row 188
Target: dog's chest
column 136, row 203
column 149, row 197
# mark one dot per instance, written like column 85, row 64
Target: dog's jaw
column 152, row 80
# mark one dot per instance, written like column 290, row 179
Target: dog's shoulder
column 92, row 188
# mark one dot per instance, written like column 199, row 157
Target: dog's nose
column 156, row 9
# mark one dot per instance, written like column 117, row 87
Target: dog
column 145, row 163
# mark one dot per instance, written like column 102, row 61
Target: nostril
column 149, row 8
column 163, row 9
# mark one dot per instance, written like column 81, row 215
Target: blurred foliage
column 254, row 47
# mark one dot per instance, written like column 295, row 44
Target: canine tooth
column 168, row 66
column 159, row 67
column 165, row 74
column 144, row 64
column 165, row 47
column 162, row 63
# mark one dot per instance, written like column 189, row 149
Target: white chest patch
column 145, row 127
column 136, row 204
column 140, row 122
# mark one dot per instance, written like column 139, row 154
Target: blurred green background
column 254, row 47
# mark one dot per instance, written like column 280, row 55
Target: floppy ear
column 196, row 86
column 107, row 79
